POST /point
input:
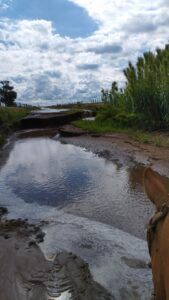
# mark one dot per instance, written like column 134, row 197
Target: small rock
column 32, row 243
column 40, row 237
column 6, row 236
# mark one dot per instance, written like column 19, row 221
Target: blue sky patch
column 68, row 19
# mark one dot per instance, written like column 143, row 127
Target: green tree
column 7, row 93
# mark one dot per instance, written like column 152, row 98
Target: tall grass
column 10, row 116
column 146, row 94
column 9, row 119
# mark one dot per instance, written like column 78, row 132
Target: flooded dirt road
column 43, row 171
column 89, row 205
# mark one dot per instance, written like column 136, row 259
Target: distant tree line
column 146, row 93
column 7, row 93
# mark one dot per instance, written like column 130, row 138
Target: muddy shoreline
column 118, row 147
column 28, row 274
column 113, row 147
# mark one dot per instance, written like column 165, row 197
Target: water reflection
column 46, row 110
column 45, row 171
column 49, row 173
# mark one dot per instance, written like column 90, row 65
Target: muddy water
column 46, row 172
column 86, row 200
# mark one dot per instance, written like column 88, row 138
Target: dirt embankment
column 25, row 273
column 43, row 120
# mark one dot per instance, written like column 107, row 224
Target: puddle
column 117, row 260
column 46, row 172
column 93, row 207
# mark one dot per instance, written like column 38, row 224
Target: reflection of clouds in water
column 112, row 200
column 46, row 172
column 104, row 248
column 105, row 195
column 43, row 169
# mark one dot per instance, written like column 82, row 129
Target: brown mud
column 25, row 273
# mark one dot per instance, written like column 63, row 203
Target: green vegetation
column 97, row 126
column 149, row 138
column 144, row 102
column 10, row 116
column 7, row 93
column 137, row 135
column 141, row 106
column 9, row 119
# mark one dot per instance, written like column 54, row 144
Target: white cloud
column 4, row 5
column 44, row 65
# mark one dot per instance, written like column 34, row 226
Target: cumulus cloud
column 136, row 25
column 46, row 66
column 88, row 66
column 107, row 48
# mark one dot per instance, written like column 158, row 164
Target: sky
column 56, row 51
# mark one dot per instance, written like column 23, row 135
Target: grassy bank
column 9, row 120
column 97, row 127
column 152, row 138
